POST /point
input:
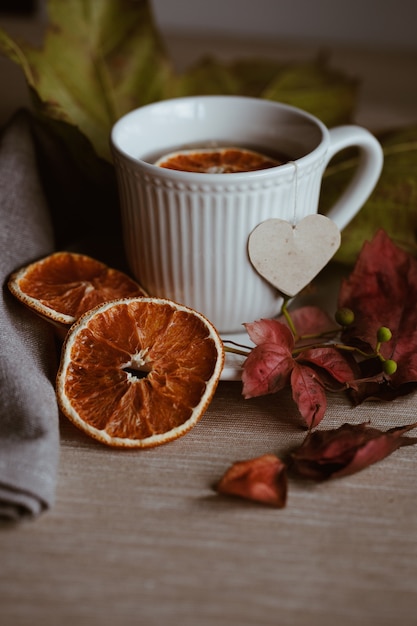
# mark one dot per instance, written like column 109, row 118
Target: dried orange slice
column 62, row 286
column 139, row 372
column 217, row 161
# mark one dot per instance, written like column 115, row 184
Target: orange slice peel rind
column 63, row 285
column 139, row 372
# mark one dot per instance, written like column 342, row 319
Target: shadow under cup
column 186, row 234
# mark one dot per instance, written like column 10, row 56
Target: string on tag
column 294, row 210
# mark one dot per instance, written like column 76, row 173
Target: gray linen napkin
column 29, row 428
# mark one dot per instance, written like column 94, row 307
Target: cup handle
column 367, row 172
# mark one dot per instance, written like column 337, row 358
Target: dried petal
column 263, row 479
column 347, row 449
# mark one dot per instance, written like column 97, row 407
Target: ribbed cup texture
column 188, row 242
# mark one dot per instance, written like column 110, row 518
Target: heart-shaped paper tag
column 288, row 256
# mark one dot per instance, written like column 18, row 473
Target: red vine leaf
column 266, row 370
column 262, row 479
column 382, row 291
column 268, row 366
column 271, row 366
column 346, row 450
column 270, row 332
column 308, row 394
column 340, row 367
column 311, row 320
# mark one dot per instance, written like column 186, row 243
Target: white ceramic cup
column 186, row 233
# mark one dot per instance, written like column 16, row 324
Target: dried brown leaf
column 346, row 450
column 262, row 479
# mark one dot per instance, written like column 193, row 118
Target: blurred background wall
column 374, row 23
column 370, row 23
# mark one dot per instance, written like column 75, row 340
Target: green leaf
column 100, row 59
column 314, row 87
column 255, row 75
column 103, row 58
column 328, row 94
column 393, row 204
column 207, row 76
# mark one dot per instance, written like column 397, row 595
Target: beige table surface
column 142, row 538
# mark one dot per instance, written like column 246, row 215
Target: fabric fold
column 29, row 425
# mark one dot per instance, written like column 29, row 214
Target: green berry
column 344, row 316
column 389, row 366
column 384, row 334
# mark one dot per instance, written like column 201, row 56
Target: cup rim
column 217, row 177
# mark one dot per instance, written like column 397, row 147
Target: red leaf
column 270, row 331
column 266, row 370
column 311, row 320
column 263, row 479
column 346, row 450
column 339, row 366
column 382, row 291
column 308, row 394
column 269, row 364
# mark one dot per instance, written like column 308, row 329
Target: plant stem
column 338, row 346
column 232, row 350
column 326, row 333
column 288, row 318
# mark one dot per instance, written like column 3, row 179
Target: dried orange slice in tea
column 139, row 372
column 62, row 286
column 217, row 160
